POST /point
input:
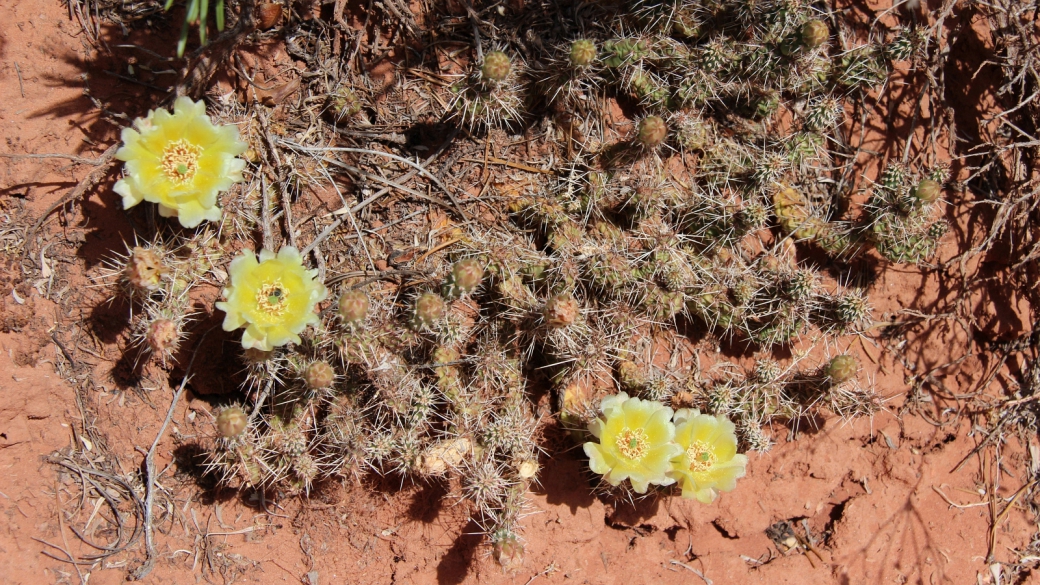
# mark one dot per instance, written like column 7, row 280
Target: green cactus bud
column 464, row 278
column 651, row 132
column 507, row 550
column 428, row 310
column 927, row 191
column 814, row 33
column 583, row 53
column 232, row 422
column 319, row 375
column 496, row 67
column 343, row 104
column 841, row 369
column 767, row 371
column 353, row 307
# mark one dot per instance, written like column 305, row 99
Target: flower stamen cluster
column 633, row 443
column 180, row 161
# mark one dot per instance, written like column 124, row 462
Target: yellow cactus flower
column 180, row 161
column 273, row 299
column 709, row 462
column 635, row 442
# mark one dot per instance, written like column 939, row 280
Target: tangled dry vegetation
column 545, row 203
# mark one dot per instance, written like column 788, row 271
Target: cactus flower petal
column 709, row 462
column 273, row 298
column 635, row 442
column 181, row 161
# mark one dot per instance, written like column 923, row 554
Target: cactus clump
column 343, row 104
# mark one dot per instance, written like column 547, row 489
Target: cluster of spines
column 156, row 280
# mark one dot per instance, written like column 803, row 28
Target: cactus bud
column 162, row 336
column 144, row 269
column 353, row 307
column 814, row 34
column 465, row 277
column 767, row 371
column 852, row 308
column 561, row 310
column 496, row 67
column 583, row 53
column 319, row 375
column 651, row 132
column 755, row 438
column 507, row 550
column 527, row 469
column 429, row 308
column 232, row 422
column 343, row 104
column 841, row 369
column 927, row 191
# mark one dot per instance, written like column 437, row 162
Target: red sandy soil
column 878, row 495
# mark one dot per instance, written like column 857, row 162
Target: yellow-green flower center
column 632, row 443
column 701, row 457
column 271, row 298
column 180, row 160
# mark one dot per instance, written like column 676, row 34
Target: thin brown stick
column 149, row 469
column 103, row 163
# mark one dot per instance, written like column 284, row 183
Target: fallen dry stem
column 149, row 468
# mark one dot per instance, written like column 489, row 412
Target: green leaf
column 183, row 40
column 203, row 13
column 220, row 15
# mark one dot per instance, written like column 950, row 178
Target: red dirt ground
column 882, row 488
